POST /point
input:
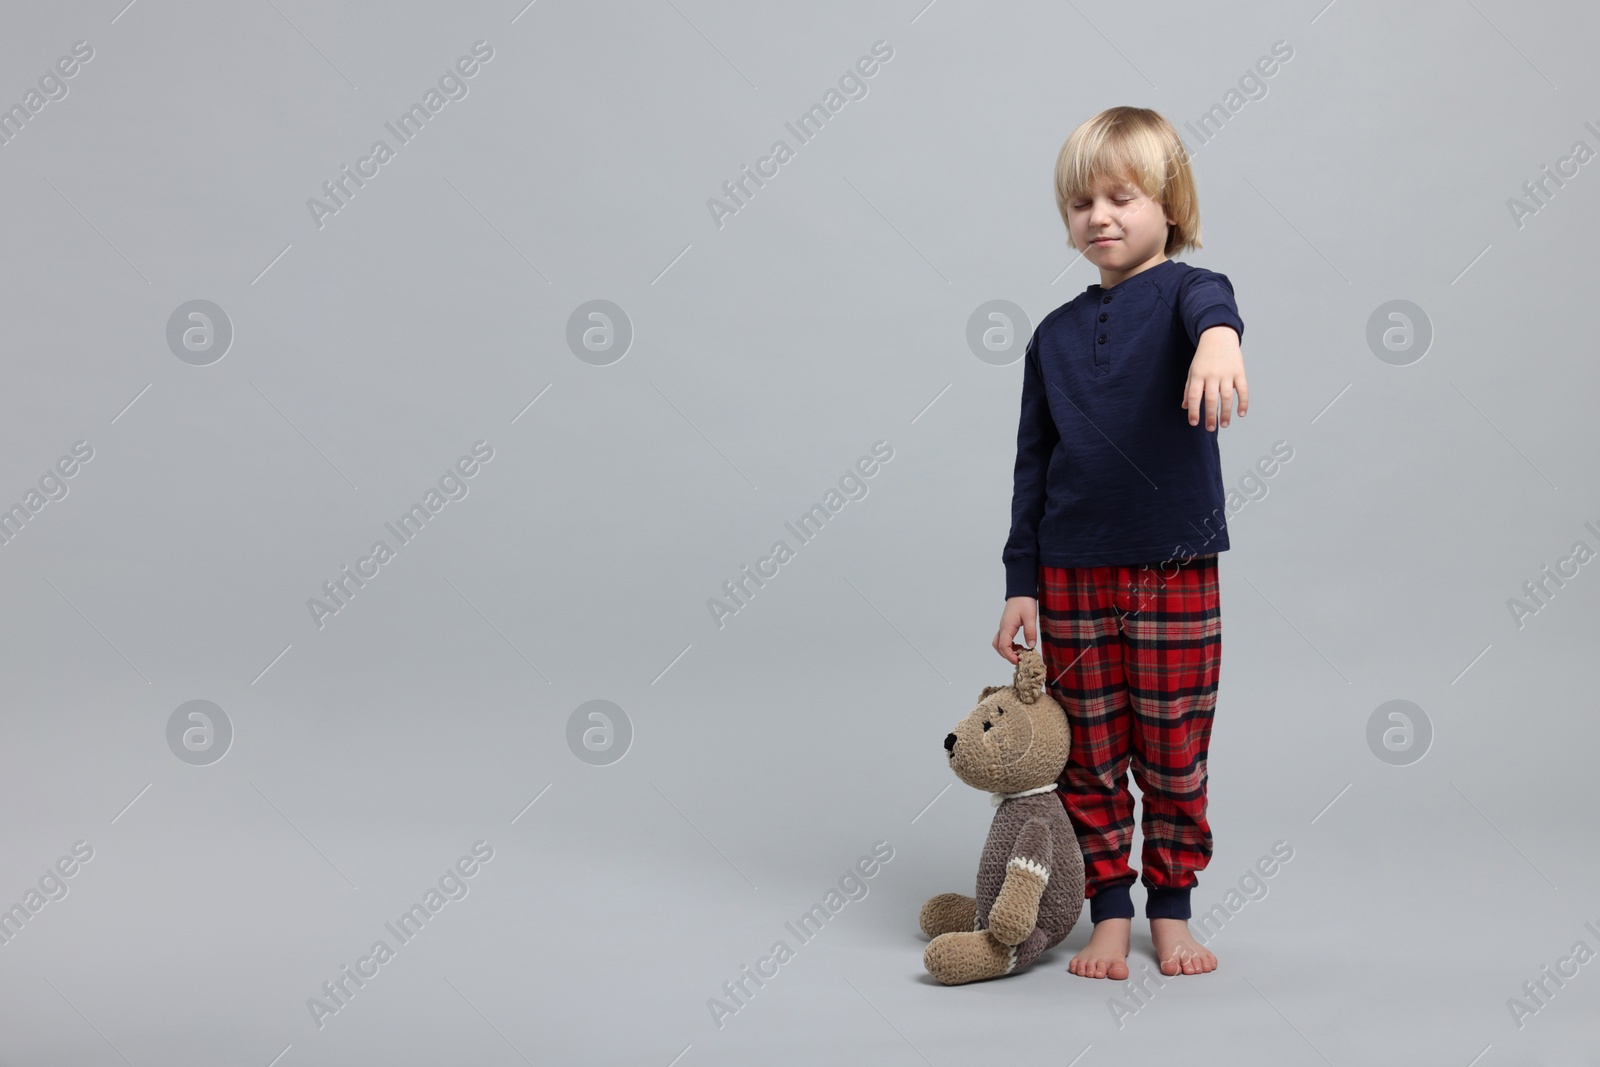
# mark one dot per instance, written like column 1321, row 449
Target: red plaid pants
column 1133, row 654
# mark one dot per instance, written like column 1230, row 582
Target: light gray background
column 768, row 356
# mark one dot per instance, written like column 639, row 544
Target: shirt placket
column 1102, row 341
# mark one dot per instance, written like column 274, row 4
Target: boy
column 1113, row 484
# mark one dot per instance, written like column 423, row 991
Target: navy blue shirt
column 1108, row 470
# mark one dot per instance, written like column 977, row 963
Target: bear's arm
column 1016, row 909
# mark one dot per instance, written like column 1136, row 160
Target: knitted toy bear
column 1030, row 878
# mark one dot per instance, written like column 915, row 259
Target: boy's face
column 1119, row 229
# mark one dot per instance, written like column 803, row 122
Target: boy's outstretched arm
column 1215, row 374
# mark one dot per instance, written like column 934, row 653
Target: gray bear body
column 1049, row 842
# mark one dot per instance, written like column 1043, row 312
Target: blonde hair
column 1137, row 145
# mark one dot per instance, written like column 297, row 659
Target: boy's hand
column 1216, row 372
column 1020, row 611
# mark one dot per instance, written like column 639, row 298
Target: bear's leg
column 957, row 958
column 947, row 913
column 972, row 956
column 976, row 955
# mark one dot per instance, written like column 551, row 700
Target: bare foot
column 1177, row 949
column 1106, row 954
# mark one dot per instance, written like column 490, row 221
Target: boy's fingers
column 1244, row 394
column 1193, row 394
column 1227, row 401
column 1213, row 402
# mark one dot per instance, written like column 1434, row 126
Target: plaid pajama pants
column 1133, row 654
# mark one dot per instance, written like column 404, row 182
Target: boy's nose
column 950, row 743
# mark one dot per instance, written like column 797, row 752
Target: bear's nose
column 986, row 726
column 950, row 743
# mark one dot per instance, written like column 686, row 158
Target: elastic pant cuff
column 1163, row 903
column 1111, row 902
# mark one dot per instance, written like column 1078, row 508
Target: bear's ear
column 987, row 690
column 1028, row 679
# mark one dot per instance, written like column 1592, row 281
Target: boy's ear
column 987, row 690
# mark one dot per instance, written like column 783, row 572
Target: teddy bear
column 1015, row 744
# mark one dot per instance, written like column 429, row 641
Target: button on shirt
column 1108, row 469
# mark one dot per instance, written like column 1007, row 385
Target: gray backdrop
column 255, row 385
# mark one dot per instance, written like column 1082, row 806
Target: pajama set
column 1117, row 516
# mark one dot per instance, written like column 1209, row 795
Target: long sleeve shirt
column 1108, row 469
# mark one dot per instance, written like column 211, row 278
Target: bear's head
column 1017, row 738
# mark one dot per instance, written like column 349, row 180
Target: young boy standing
column 1115, row 478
